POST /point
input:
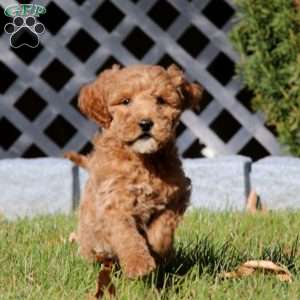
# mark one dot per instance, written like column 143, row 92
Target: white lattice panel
column 38, row 115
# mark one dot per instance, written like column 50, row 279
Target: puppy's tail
column 78, row 159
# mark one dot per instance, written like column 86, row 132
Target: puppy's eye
column 160, row 100
column 125, row 101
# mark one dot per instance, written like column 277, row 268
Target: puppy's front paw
column 138, row 266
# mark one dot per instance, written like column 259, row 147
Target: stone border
column 32, row 187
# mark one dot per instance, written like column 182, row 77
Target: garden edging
column 31, row 187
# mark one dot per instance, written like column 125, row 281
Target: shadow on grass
column 205, row 256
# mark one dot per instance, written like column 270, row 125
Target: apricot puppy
column 136, row 192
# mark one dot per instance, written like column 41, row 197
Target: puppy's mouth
column 145, row 143
column 142, row 137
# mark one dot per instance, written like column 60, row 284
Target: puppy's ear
column 191, row 93
column 91, row 103
column 92, row 100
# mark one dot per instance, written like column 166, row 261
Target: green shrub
column 267, row 36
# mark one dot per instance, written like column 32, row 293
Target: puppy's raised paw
column 139, row 266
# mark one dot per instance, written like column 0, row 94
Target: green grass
column 38, row 262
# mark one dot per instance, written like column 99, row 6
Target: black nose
column 146, row 125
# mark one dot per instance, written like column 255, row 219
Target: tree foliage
column 267, row 36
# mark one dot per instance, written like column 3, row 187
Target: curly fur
column 136, row 192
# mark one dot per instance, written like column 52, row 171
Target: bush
column 267, row 37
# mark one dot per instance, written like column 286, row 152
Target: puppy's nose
column 146, row 125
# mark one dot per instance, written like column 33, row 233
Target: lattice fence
column 38, row 87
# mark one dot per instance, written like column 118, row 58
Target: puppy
column 137, row 192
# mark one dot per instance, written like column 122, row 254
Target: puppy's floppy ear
column 92, row 100
column 91, row 103
column 191, row 93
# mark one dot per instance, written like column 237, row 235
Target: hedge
column 267, row 36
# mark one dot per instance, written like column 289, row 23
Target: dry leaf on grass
column 104, row 282
column 253, row 204
column 249, row 267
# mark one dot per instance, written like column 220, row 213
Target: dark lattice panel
column 39, row 87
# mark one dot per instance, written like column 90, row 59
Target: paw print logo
column 24, row 31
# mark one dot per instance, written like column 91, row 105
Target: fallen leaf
column 254, row 204
column 251, row 202
column 249, row 267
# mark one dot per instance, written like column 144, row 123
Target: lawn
column 38, row 262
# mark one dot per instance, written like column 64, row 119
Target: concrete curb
column 32, row 187
column 220, row 183
column 35, row 186
column 277, row 182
